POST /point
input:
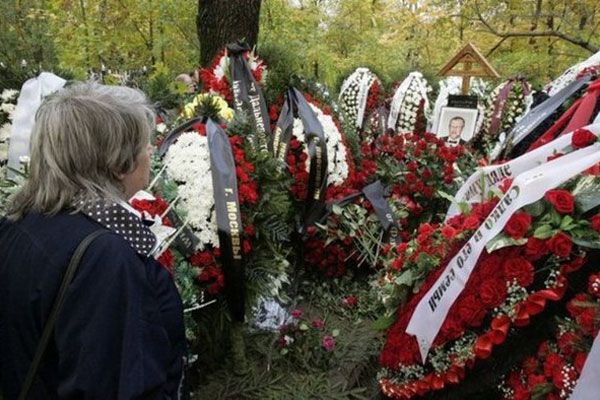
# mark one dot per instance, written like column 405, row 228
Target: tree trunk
column 221, row 22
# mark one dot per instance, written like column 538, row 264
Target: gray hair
column 85, row 136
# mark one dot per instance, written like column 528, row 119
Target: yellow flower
column 189, row 110
column 226, row 114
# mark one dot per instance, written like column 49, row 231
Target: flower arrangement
column 525, row 267
column 409, row 107
column 8, row 100
column 360, row 95
column 553, row 371
column 184, row 180
column 504, row 107
column 217, row 78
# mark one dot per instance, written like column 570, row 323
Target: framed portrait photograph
column 457, row 125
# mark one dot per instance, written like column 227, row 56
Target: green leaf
column 384, row 322
column 566, row 223
column 406, row 278
column 535, row 209
column 587, row 193
column 502, row 241
column 544, row 232
column 335, row 333
column 590, row 244
column 336, row 209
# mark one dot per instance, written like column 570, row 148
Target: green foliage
column 162, row 89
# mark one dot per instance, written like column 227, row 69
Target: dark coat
column 120, row 334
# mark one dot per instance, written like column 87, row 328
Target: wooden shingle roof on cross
column 473, row 64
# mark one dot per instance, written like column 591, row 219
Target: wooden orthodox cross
column 473, row 64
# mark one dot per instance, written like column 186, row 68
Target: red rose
column 518, row 225
column 471, row 222
column 596, row 222
column 560, row 244
column 520, row 269
column 562, row 200
column 582, row 138
column 492, row 293
column 448, row 232
column 535, row 248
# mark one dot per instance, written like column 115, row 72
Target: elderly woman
column 119, row 334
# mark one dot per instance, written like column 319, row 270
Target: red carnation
column 520, row 269
column 596, row 222
column 492, row 293
column 560, row 244
column 518, row 225
column 582, row 138
column 566, row 343
column 562, row 200
column 470, row 311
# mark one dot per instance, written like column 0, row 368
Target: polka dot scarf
column 121, row 221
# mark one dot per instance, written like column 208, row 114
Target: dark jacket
column 120, row 334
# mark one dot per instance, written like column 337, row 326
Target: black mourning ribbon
column 539, row 114
column 314, row 206
column 229, row 218
column 375, row 193
column 247, row 94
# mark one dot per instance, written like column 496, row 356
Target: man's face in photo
column 456, row 127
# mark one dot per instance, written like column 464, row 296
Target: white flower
column 3, row 152
column 9, row 94
column 8, row 108
column 5, row 132
column 188, row 163
column 161, row 128
column 221, row 69
column 337, row 153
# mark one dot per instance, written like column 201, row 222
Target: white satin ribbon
column 528, row 187
column 30, row 98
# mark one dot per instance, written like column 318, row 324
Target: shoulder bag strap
column 58, row 303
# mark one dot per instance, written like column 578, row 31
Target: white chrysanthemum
column 337, row 164
column 222, row 67
column 8, row 108
column 188, row 163
column 9, row 94
column 5, row 132
column 3, row 152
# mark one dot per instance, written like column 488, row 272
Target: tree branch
column 549, row 33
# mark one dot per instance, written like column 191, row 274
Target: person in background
column 455, row 130
column 120, row 334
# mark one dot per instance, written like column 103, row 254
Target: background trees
column 322, row 39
